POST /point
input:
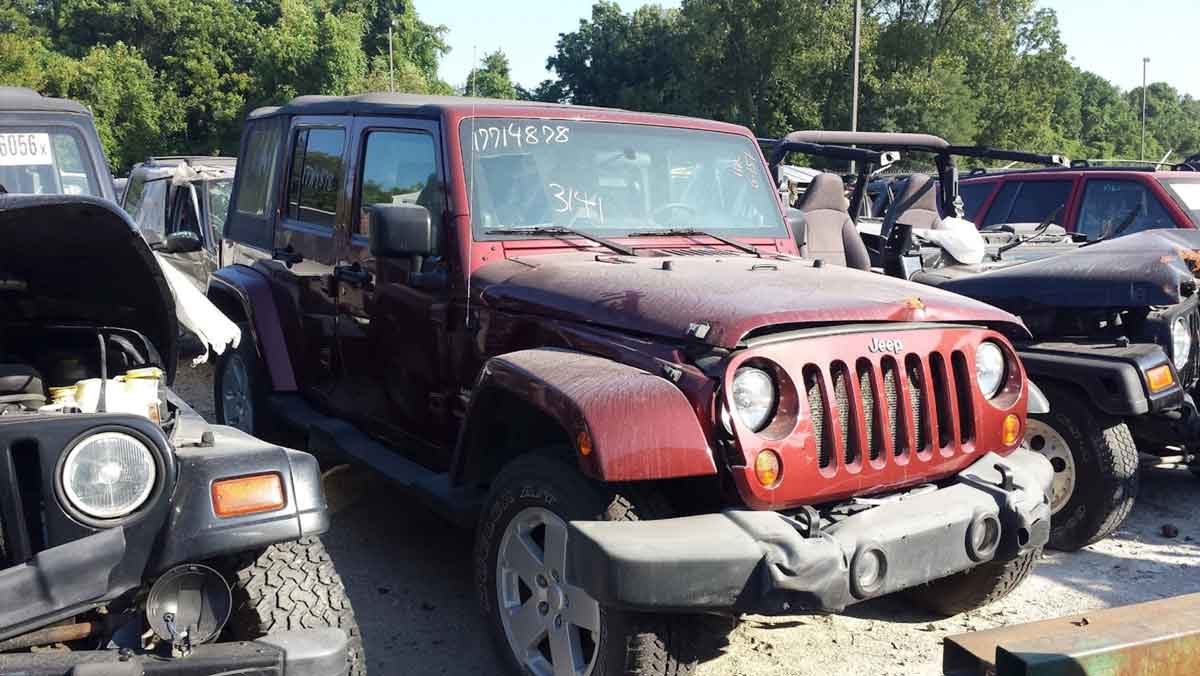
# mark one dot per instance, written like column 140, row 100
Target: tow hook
column 1006, row 481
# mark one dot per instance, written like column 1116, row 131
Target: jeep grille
column 890, row 406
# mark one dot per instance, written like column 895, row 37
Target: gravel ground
column 408, row 575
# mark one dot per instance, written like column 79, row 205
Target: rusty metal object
column 49, row 636
column 1158, row 638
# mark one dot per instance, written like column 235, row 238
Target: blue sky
column 1109, row 37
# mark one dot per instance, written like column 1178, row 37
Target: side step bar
column 332, row 436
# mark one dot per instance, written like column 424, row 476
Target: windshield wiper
column 1120, row 228
column 693, row 232
column 560, row 231
column 1037, row 232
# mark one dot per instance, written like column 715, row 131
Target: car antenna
column 471, row 179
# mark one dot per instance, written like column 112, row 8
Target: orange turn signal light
column 584, row 442
column 1011, row 430
column 247, row 495
column 1160, row 378
column 767, row 467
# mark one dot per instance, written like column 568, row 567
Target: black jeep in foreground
column 134, row 537
column 1114, row 323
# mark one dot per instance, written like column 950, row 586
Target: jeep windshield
column 614, row 179
column 45, row 161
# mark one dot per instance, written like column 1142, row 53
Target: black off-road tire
column 1107, row 470
column 986, row 583
column 255, row 371
column 290, row 586
column 631, row 644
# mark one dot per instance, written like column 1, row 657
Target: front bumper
column 317, row 652
column 758, row 561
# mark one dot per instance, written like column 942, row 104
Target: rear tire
column 1105, row 463
column 984, row 584
column 290, row 586
column 238, row 384
column 532, row 496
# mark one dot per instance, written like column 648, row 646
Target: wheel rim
column 237, row 408
column 552, row 627
column 1046, row 440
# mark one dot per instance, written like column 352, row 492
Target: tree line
column 180, row 75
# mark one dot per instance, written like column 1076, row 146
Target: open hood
column 79, row 260
column 716, row 299
column 1155, row 267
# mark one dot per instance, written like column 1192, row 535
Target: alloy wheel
column 237, row 407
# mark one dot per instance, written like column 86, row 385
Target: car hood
column 1155, row 267
column 71, row 259
column 716, row 299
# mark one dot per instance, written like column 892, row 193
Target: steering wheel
column 671, row 206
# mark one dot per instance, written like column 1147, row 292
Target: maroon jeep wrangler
column 588, row 334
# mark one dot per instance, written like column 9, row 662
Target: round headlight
column 753, row 397
column 1181, row 343
column 108, row 475
column 989, row 368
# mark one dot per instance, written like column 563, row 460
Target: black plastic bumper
column 751, row 561
column 318, row 652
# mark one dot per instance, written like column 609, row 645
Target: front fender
column 195, row 533
column 625, row 424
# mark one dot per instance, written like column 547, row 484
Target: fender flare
column 1113, row 384
column 250, row 290
column 639, row 426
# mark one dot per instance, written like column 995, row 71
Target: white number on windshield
column 25, row 149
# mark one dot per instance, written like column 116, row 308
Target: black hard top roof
column 15, row 99
column 376, row 102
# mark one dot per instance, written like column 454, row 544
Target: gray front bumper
column 750, row 561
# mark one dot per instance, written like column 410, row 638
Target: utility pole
column 391, row 62
column 1145, row 60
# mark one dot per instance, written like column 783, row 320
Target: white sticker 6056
column 24, row 149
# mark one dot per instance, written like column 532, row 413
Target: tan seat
column 831, row 235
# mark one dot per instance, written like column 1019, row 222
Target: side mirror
column 181, row 242
column 399, row 230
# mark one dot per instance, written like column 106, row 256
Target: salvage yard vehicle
column 50, row 146
column 587, row 334
column 1114, row 323
column 134, row 537
column 1093, row 197
column 179, row 204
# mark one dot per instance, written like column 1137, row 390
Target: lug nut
column 541, row 580
column 554, row 574
column 543, row 607
column 558, row 622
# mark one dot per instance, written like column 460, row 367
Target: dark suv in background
column 1096, row 198
column 49, row 146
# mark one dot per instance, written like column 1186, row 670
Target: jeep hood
column 716, row 299
column 79, row 260
column 1155, row 267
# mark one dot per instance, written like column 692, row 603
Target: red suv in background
column 1095, row 198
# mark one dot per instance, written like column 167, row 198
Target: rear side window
column 316, row 176
column 399, row 168
column 1127, row 206
column 1028, row 201
column 973, row 195
column 256, row 170
column 148, row 208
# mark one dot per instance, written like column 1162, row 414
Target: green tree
column 491, row 79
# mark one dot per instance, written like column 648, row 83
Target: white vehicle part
column 198, row 314
column 959, row 238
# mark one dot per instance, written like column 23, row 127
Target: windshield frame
column 466, row 157
column 95, row 171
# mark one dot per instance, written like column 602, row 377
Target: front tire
column 1096, row 469
column 290, row 586
column 984, row 584
column 541, row 624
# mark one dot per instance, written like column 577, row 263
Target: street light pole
column 854, row 73
column 391, row 64
column 1145, row 60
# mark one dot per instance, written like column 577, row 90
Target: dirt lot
column 408, row 574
